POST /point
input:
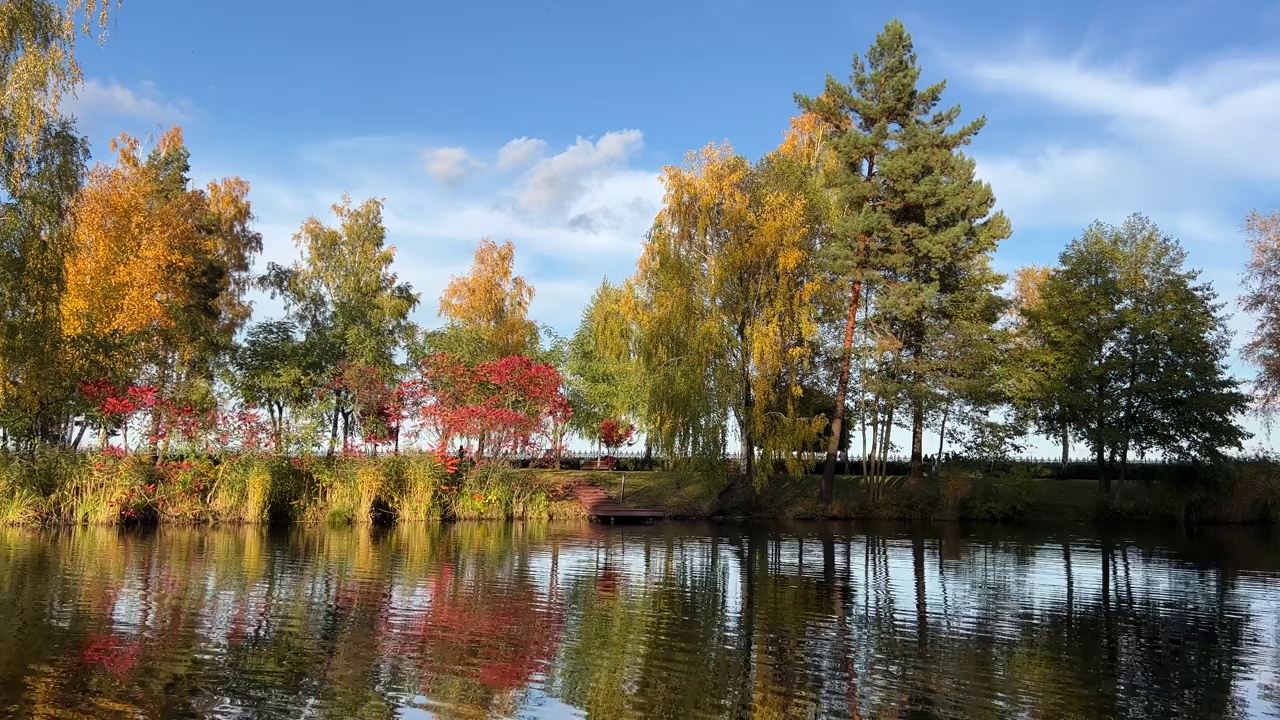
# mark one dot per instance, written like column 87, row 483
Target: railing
column 814, row 457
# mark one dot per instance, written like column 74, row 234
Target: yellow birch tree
column 490, row 304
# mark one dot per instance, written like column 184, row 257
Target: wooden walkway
column 601, row 506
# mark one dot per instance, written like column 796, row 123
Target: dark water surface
column 666, row 621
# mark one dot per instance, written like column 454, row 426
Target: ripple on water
column 677, row 621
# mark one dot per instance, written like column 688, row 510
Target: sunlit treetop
column 37, row 62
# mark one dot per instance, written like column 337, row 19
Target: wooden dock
column 601, row 506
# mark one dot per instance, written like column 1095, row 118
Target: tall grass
column 241, row 490
column 415, row 487
column 52, row 487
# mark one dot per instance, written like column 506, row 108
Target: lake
column 803, row 620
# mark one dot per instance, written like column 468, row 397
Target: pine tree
column 911, row 219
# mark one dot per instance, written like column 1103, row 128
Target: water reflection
column 676, row 621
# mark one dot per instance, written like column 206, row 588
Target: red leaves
column 116, row 404
column 380, row 406
column 613, row 435
column 511, row 402
column 117, row 655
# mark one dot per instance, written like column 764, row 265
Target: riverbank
column 1248, row 495
column 65, row 488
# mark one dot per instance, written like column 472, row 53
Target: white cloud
column 520, row 152
column 591, row 224
column 555, row 183
column 450, row 165
column 1187, row 147
column 1219, row 114
column 145, row 102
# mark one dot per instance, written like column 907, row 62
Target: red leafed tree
column 505, row 406
column 613, row 434
column 112, row 407
column 379, row 406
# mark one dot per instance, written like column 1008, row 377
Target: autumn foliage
column 504, row 406
column 614, row 434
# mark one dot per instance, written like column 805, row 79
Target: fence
column 818, row 457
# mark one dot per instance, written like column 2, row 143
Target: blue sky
column 546, row 123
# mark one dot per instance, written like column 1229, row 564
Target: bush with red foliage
column 613, row 434
column 508, row 405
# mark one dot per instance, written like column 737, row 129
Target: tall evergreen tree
column 911, row 218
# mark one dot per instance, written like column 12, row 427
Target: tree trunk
column 917, row 439
column 1104, row 483
column 874, row 455
column 842, row 391
column 1104, row 480
column 886, row 440
column 862, row 420
column 279, row 427
column 333, row 430
column 75, row 444
column 746, row 421
column 153, row 437
column 1066, row 450
column 942, row 438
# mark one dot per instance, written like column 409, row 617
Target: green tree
column 912, row 223
column 1138, row 348
column 601, row 370
column 42, row 159
column 351, row 307
column 277, row 370
column 1032, row 374
column 37, row 390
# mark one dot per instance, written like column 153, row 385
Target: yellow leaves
column 140, row 256
column 1027, row 282
column 38, row 65
column 726, row 288
column 806, row 139
column 128, row 253
column 493, row 299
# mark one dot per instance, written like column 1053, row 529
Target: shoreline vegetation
column 829, row 298
column 62, row 488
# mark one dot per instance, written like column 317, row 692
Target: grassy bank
column 71, row 488
column 1243, row 493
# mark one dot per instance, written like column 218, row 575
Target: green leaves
column 1132, row 348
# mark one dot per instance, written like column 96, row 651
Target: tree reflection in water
column 679, row 621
